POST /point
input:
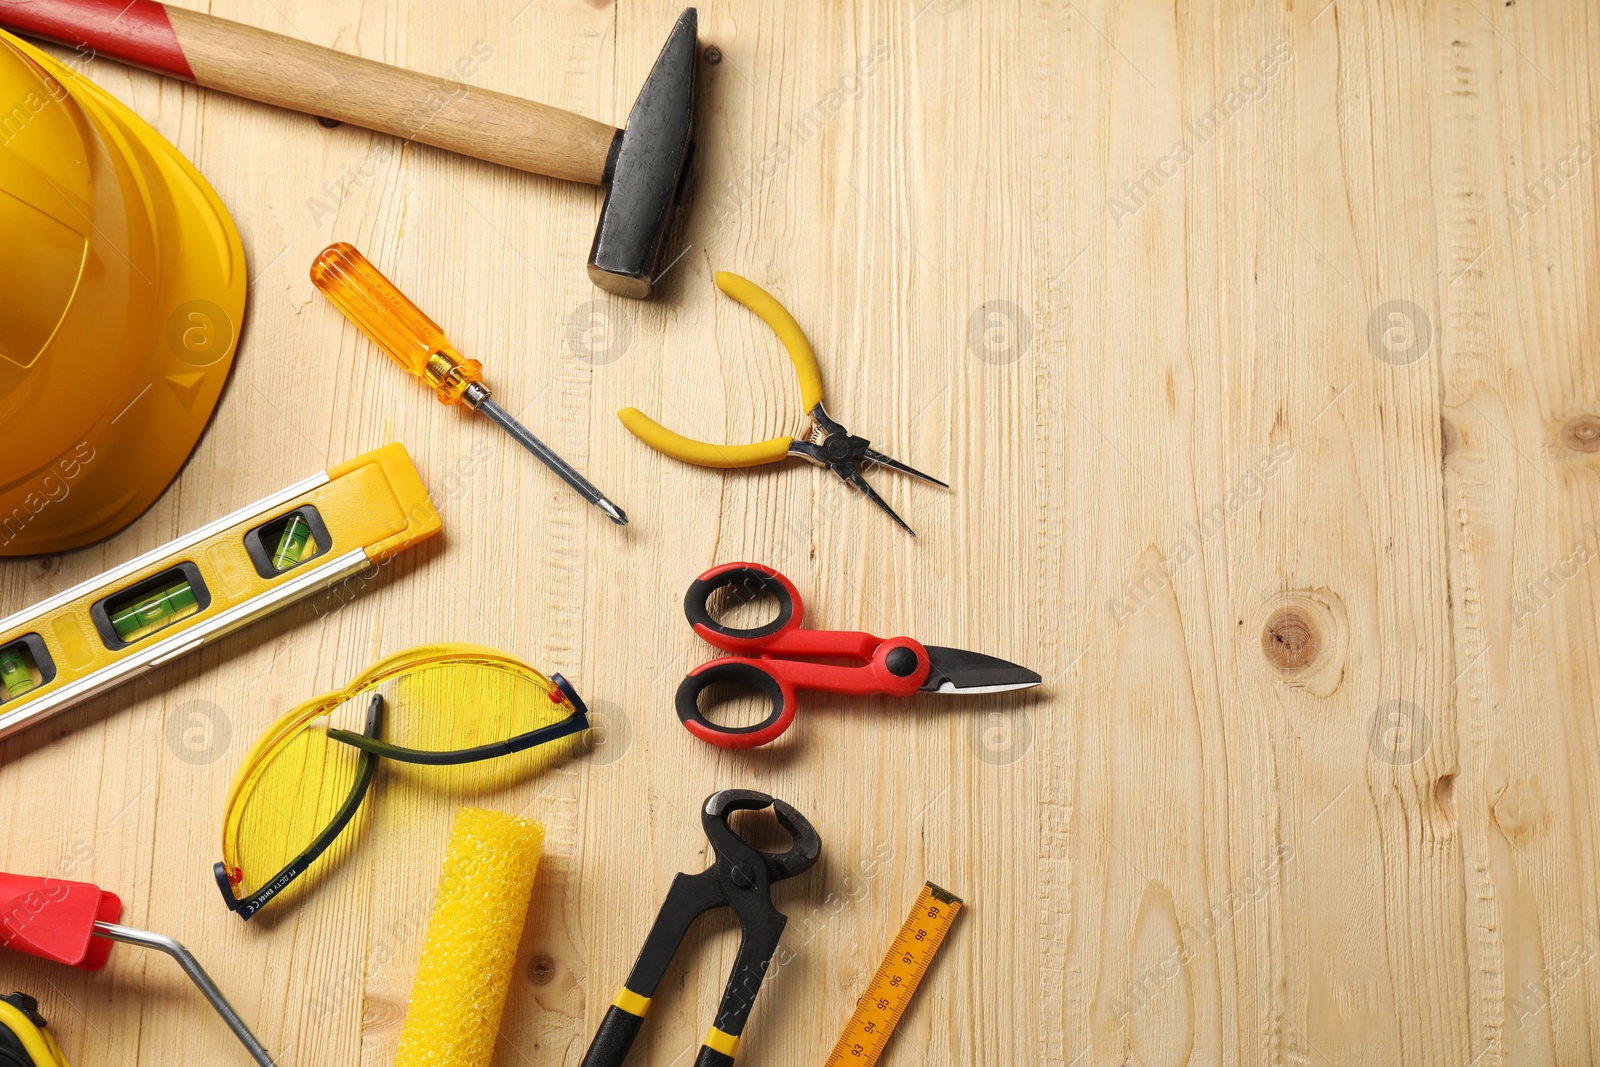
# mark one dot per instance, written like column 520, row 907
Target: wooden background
column 1256, row 340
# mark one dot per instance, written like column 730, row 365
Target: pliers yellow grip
column 789, row 332
column 831, row 445
column 700, row 453
column 703, row 454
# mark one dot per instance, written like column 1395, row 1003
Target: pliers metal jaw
column 830, row 444
column 740, row 878
column 836, row 448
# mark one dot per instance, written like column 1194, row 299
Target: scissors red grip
column 764, row 657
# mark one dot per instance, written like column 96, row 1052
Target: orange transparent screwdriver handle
column 398, row 326
column 415, row 341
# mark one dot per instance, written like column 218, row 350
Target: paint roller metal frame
column 60, row 921
column 127, row 935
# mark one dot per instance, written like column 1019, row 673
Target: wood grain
column 1256, row 341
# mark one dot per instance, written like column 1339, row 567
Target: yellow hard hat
column 122, row 286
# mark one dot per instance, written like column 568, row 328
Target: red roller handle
column 138, row 33
column 54, row 919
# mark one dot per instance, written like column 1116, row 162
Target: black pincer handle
column 710, row 1057
column 614, row 1038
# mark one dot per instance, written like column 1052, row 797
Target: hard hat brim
column 127, row 448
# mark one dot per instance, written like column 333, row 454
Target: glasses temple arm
column 297, row 866
column 578, row 720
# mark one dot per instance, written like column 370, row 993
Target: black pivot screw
column 902, row 662
column 837, row 449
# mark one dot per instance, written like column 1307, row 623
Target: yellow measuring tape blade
column 879, row 1010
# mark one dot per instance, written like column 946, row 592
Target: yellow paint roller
column 471, row 943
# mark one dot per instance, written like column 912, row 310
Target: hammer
column 642, row 166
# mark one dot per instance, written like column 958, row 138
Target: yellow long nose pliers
column 829, row 444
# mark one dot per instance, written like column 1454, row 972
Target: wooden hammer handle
column 276, row 69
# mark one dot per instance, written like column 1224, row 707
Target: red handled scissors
column 775, row 659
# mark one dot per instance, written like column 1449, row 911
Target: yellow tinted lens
column 298, row 789
column 450, row 706
column 438, row 698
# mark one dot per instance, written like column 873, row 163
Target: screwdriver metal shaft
column 477, row 397
column 419, row 346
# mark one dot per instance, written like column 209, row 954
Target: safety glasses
column 304, row 783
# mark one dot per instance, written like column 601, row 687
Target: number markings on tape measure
column 879, row 1010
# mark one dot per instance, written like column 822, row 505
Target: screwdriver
column 416, row 342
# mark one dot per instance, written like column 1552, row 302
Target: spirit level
column 227, row 574
column 879, row 1010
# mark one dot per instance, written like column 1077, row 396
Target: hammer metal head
column 644, row 175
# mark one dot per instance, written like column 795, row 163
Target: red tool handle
column 274, row 69
column 895, row 666
column 54, row 919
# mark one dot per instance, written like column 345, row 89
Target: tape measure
column 24, row 1039
column 879, row 1010
column 173, row 599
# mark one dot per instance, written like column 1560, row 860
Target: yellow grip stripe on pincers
column 723, row 1042
column 789, row 332
column 632, row 1003
column 700, row 453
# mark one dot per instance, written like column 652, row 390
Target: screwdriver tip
column 614, row 513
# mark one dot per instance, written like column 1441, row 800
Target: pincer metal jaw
column 739, row 878
column 739, row 859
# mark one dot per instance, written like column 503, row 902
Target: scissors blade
column 894, row 464
column 848, row 472
column 955, row 670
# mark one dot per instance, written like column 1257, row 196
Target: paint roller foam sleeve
column 471, row 943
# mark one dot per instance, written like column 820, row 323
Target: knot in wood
column 1290, row 640
column 1582, row 433
column 542, row 969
